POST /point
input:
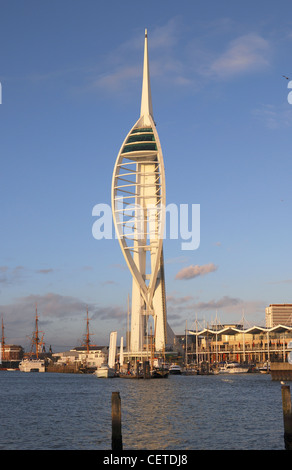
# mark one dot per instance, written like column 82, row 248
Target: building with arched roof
column 255, row 344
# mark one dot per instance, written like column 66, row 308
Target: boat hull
column 105, row 372
column 159, row 373
column 237, row 371
column 175, row 371
column 32, row 365
column 233, row 368
column 265, row 369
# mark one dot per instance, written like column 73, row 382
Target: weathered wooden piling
column 287, row 416
column 117, row 443
column 146, row 370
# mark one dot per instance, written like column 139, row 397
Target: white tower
column 138, row 203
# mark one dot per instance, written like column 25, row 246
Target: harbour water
column 49, row 411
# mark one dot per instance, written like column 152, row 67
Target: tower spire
column 139, row 180
column 146, row 100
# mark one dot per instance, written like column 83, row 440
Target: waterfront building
column 278, row 314
column 138, row 202
column 11, row 353
column 234, row 343
column 93, row 357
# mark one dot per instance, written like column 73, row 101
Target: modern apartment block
column 278, row 314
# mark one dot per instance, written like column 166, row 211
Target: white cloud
column 167, row 35
column 193, row 271
column 124, row 64
column 113, row 81
column 212, row 305
column 230, row 310
column 61, row 318
column 274, row 117
column 246, row 53
column 196, row 61
column 171, row 299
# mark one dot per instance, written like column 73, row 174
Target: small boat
column 108, row 370
column 104, row 371
column 265, row 369
column 32, row 365
column 175, row 369
column 159, row 373
column 233, row 368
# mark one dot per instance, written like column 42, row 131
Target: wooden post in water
column 117, row 443
column 287, row 416
column 146, row 369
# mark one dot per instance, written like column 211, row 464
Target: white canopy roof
column 230, row 330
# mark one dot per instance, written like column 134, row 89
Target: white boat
column 175, row 369
column 104, row 371
column 265, row 369
column 32, row 365
column 233, row 368
column 108, row 370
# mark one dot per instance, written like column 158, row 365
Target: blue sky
column 71, row 76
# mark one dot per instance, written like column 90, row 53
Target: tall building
column 138, row 202
column 278, row 314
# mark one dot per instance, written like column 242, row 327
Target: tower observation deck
column 138, row 203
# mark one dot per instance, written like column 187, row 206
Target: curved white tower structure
column 138, row 202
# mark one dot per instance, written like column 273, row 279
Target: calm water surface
column 73, row 412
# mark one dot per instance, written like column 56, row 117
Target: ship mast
column 35, row 337
column 87, row 339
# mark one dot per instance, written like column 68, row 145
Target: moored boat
column 32, row 365
column 104, row 371
column 108, row 370
column 159, row 373
column 175, row 369
column 233, row 368
column 265, row 369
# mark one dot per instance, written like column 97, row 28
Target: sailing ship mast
column 87, row 335
column 35, row 336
